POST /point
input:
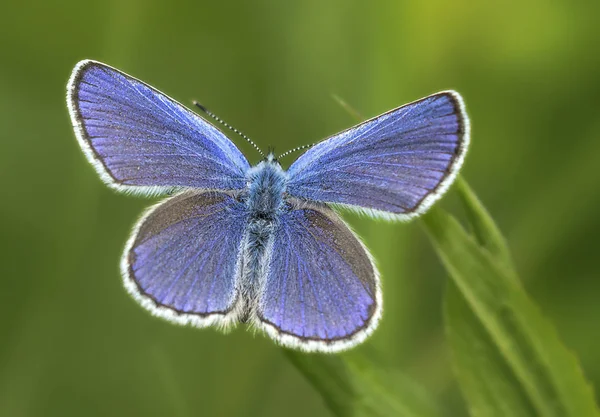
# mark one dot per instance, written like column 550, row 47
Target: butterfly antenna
column 228, row 126
column 299, row 148
column 345, row 106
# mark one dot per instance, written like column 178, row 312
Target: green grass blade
column 484, row 229
column 508, row 357
column 355, row 385
column 475, row 355
column 487, row 382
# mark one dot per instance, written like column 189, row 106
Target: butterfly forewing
column 395, row 165
column 183, row 259
column 142, row 141
column 321, row 291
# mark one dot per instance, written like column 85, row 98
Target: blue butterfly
column 258, row 244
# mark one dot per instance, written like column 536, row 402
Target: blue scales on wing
column 394, row 165
column 321, row 287
column 183, row 259
column 142, row 141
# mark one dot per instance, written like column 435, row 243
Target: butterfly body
column 264, row 201
column 259, row 244
column 266, row 189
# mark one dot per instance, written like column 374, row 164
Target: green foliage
column 357, row 385
column 508, row 357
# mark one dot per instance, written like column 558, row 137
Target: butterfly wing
column 139, row 140
column 183, row 261
column 321, row 290
column 394, row 166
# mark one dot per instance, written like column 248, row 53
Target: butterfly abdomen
column 266, row 187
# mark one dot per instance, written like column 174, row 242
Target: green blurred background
column 73, row 343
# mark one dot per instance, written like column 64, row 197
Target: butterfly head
column 271, row 157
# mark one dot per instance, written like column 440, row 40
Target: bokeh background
column 73, row 343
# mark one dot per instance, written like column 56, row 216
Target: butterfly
column 259, row 244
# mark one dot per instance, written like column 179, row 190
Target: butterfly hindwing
column 142, row 141
column 321, row 290
column 183, row 262
column 394, row 165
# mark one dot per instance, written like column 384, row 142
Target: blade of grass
column 487, row 382
column 355, row 385
column 508, row 357
column 349, row 109
column 484, row 229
